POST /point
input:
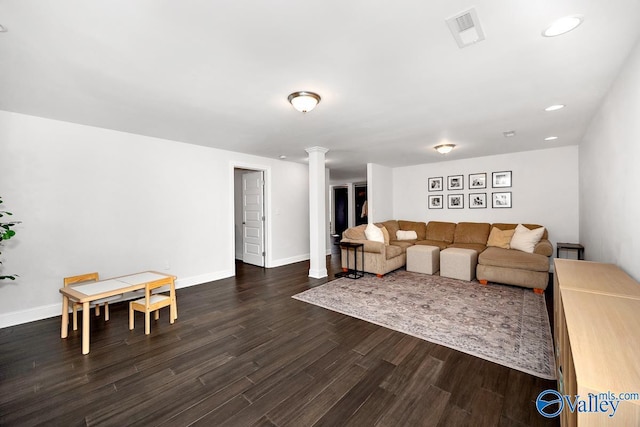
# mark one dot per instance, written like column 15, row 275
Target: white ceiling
column 392, row 79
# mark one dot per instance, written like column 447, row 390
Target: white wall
column 93, row 199
column 544, row 191
column 379, row 192
column 610, row 175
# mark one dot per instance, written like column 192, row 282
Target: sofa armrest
column 369, row 245
column 544, row 247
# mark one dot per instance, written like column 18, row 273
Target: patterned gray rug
column 503, row 324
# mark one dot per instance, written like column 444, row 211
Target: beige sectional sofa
column 495, row 264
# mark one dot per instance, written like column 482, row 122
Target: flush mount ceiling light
column 563, row 25
column 444, row 148
column 304, row 101
column 551, row 138
column 555, row 107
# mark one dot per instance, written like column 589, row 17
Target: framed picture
column 477, row 180
column 435, row 201
column 501, row 200
column 477, row 200
column 455, row 182
column 435, row 184
column 455, row 201
column 501, row 179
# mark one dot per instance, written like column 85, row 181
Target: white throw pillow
column 525, row 240
column 406, row 235
column 374, row 233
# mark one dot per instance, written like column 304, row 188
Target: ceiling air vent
column 465, row 27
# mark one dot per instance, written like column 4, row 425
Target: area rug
column 503, row 324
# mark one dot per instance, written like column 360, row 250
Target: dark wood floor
column 243, row 353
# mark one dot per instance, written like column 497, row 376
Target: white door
column 253, row 218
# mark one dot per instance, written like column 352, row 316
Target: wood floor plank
column 207, row 403
column 400, row 351
column 321, row 403
column 325, row 371
column 223, row 412
column 375, row 354
column 375, row 338
column 454, row 416
column 372, row 409
column 486, row 407
column 347, row 406
column 405, row 372
column 254, row 412
column 270, row 376
column 424, row 409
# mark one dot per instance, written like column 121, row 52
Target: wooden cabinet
column 597, row 338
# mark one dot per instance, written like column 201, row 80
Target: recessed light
column 282, row 157
column 551, row 138
column 563, row 25
column 555, row 107
column 509, row 133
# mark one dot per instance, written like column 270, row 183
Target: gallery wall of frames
column 475, row 191
column 543, row 185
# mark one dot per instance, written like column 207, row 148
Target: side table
column 353, row 273
column 570, row 247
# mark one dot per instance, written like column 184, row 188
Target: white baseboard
column 29, row 315
column 318, row 274
column 53, row 310
column 290, row 260
column 203, row 278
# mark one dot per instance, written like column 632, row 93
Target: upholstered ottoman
column 458, row 263
column 423, row 259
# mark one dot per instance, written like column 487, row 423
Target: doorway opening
column 340, row 210
column 249, row 218
column 362, row 211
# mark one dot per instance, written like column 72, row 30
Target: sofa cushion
column 391, row 226
column 544, row 247
column 504, row 226
column 393, row 251
column 509, row 258
column 500, row 238
column 385, row 233
column 406, row 235
column 472, row 232
column 355, row 233
column 373, row 232
column 418, row 227
column 440, row 231
column 525, row 240
column 478, row 247
column 439, row 243
column 402, row 244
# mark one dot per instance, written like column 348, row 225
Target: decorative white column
column 317, row 212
